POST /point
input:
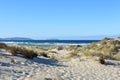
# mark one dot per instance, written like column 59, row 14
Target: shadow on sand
column 113, row 63
column 40, row 60
column 47, row 61
column 5, row 64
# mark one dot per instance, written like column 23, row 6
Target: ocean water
column 48, row 42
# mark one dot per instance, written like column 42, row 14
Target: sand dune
column 41, row 68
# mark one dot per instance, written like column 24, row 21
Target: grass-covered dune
column 108, row 47
column 15, row 50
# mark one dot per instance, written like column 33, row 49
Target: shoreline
column 48, row 42
column 61, row 62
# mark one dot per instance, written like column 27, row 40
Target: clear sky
column 40, row 19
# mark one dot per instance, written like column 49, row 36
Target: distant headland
column 16, row 38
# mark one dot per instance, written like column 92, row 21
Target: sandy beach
column 41, row 68
column 59, row 39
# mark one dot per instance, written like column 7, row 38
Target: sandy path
column 41, row 68
column 83, row 70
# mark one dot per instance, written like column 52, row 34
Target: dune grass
column 117, row 57
column 14, row 50
column 3, row 45
column 21, row 50
column 110, row 49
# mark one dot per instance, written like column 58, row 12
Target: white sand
column 41, row 68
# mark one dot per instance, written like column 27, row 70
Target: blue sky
column 44, row 19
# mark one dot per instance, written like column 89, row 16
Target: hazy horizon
column 59, row 19
column 95, row 37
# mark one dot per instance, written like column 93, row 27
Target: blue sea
column 48, row 42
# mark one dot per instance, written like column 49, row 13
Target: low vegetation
column 70, row 55
column 109, row 48
column 3, row 45
column 117, row 57
column 14, row 50
column 101, row 59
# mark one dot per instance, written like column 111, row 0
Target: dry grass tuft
column 117, row 57
column 3, row 45
column 101, row 59
column 12, row 60
column 14, row 50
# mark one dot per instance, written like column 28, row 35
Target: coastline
column 69, row 62
column 48, row 42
